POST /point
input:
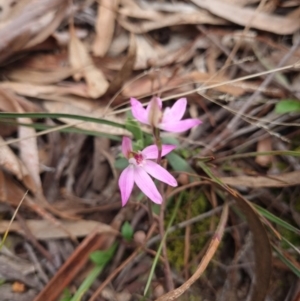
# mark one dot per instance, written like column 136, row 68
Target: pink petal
column 146, row 184
column 176, row 112
column 126, row 146
column 180, row 126
column 158, row 172
column 126, row 182
column 151, row 152
column 138, row 111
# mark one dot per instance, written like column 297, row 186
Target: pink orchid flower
column 139, row 169
column 169, row 120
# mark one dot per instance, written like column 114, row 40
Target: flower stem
column 150, row 214
column 167, row 269
column 156, row 134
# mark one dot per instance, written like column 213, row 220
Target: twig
column 233, row 123
column 37, row 265
column 30, row 237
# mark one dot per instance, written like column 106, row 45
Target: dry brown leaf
column 29, row 151
column 168, row 7
column 63, row 37
column 79, row 108
column 34, row 90
column 206, row 78
column 282, row 180
column 45, row 61
column 6, row 9
column 105, row 26
column 10, row 162
column 245, row 16
column 10, row 102
column 131, row 9
column 179, row 49
column 28, row 171
column 28, row 147
column 126, row 70
column 119, row 44
column 148, row 84
column 200, row 17
column 43, row 229
column 81, row 61
column 47, row 24
column 28, row 23
column 27, row 75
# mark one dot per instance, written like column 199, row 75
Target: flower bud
column 155, row 113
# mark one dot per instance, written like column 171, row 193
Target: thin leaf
column 103, row 257
column 254, row 154
column 71, row 129
column 287, row 106
column 133, row 126
column 287, row 262
column 179, row 164
column 276, row 219
column 59, row 115
column 127, row 231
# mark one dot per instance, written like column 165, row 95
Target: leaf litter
column 237, row 62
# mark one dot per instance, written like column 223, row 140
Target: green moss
column 175, row 242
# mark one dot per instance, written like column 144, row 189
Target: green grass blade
column 276, row 219
column 71, row 129
column 88, row 281
column 60, row 115
column 287, row 262
column 255, row 154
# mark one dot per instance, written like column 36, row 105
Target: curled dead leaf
column 105, row 26
column 81, row 61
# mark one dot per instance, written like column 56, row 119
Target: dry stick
column 212, row 248
column 37, row 265
column 245, row 31
column 227, row 82
column 30, row 237
column 233, row 123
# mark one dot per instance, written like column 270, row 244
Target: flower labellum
column 139, row 169
column 169, row 120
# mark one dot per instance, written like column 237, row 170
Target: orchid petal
column 126, row 146
column 159, row 173
column 126, row 182
column 180, row 126
column 176, row 112
column 151, row 152
column 138, row 111
column 146, row 184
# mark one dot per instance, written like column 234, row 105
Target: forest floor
column 229, row 229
